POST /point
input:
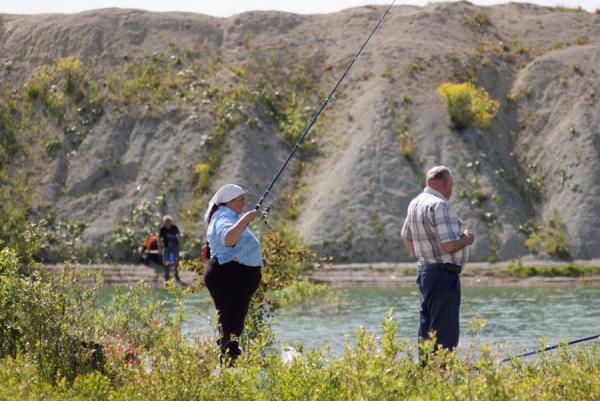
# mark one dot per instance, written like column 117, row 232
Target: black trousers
column 439, row 294
column 231, row 286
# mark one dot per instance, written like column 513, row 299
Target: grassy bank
column 370, row 369
column 519, row 270
column 58, row 342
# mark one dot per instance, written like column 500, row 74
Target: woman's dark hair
column 212, row 211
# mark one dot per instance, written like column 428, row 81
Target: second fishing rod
column 312, row 122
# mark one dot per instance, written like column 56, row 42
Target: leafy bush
column 131, row 231
column 134, row 317
column 285, row 260
column 479, row 21
column 302, row 292
column 39, row 83
column 57, row 323
column 203, row 170
column 53, row 147
column 468, row 105
column 50, row 319
column 55, row 103
column 550, row 238
column 71, row 68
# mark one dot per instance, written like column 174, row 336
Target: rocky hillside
column 112, row 117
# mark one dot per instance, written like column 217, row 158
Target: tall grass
column 57, row 343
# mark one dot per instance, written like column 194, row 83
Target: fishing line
column 316, row 116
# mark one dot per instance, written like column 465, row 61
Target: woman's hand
column 249, row 216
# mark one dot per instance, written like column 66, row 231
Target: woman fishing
column 232, row 274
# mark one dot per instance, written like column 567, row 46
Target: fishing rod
column 315, row 117
column 525, row 354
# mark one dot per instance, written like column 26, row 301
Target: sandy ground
column 474, row 275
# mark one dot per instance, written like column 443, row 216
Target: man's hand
column 469, row 236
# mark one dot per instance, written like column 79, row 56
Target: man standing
column 434, row 234
column 169, row 241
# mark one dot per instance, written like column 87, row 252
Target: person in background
column 233, row 272
column 170, row 241
column 435, row 235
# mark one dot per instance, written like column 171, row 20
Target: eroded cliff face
column 163, row 108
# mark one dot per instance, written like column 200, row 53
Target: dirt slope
column 541, row 153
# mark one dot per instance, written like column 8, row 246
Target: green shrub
column 388, row 73
column 71, row 69
column 39, row 83
column 512, row 97
column 131, row 231
column 203, row 172
column 550, row 238
column 15, row 229
column 134, row 317
column 479, row 21
column 50, row 319
column 285, row 260
column 53, row 147
column 468, row 105
column 417, row 65
column 303, row 293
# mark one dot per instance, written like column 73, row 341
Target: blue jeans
column 169, row 253
column 439, row 295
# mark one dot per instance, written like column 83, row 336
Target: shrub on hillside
column 203, row 171
column 550, row 238
column 479, row 22
column 71, row 68
column 468, row 105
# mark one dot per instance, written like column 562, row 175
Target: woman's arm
column 235, row 232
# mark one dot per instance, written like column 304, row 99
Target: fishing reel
column 266, row 212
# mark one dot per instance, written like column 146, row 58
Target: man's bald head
column 440, row 179
column 438, row 173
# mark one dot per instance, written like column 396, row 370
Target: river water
column 517, row 318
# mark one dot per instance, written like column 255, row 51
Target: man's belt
column 451, row 267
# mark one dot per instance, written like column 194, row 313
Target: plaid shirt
column 430, row 222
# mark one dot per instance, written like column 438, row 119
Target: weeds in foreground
column 56, row 344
